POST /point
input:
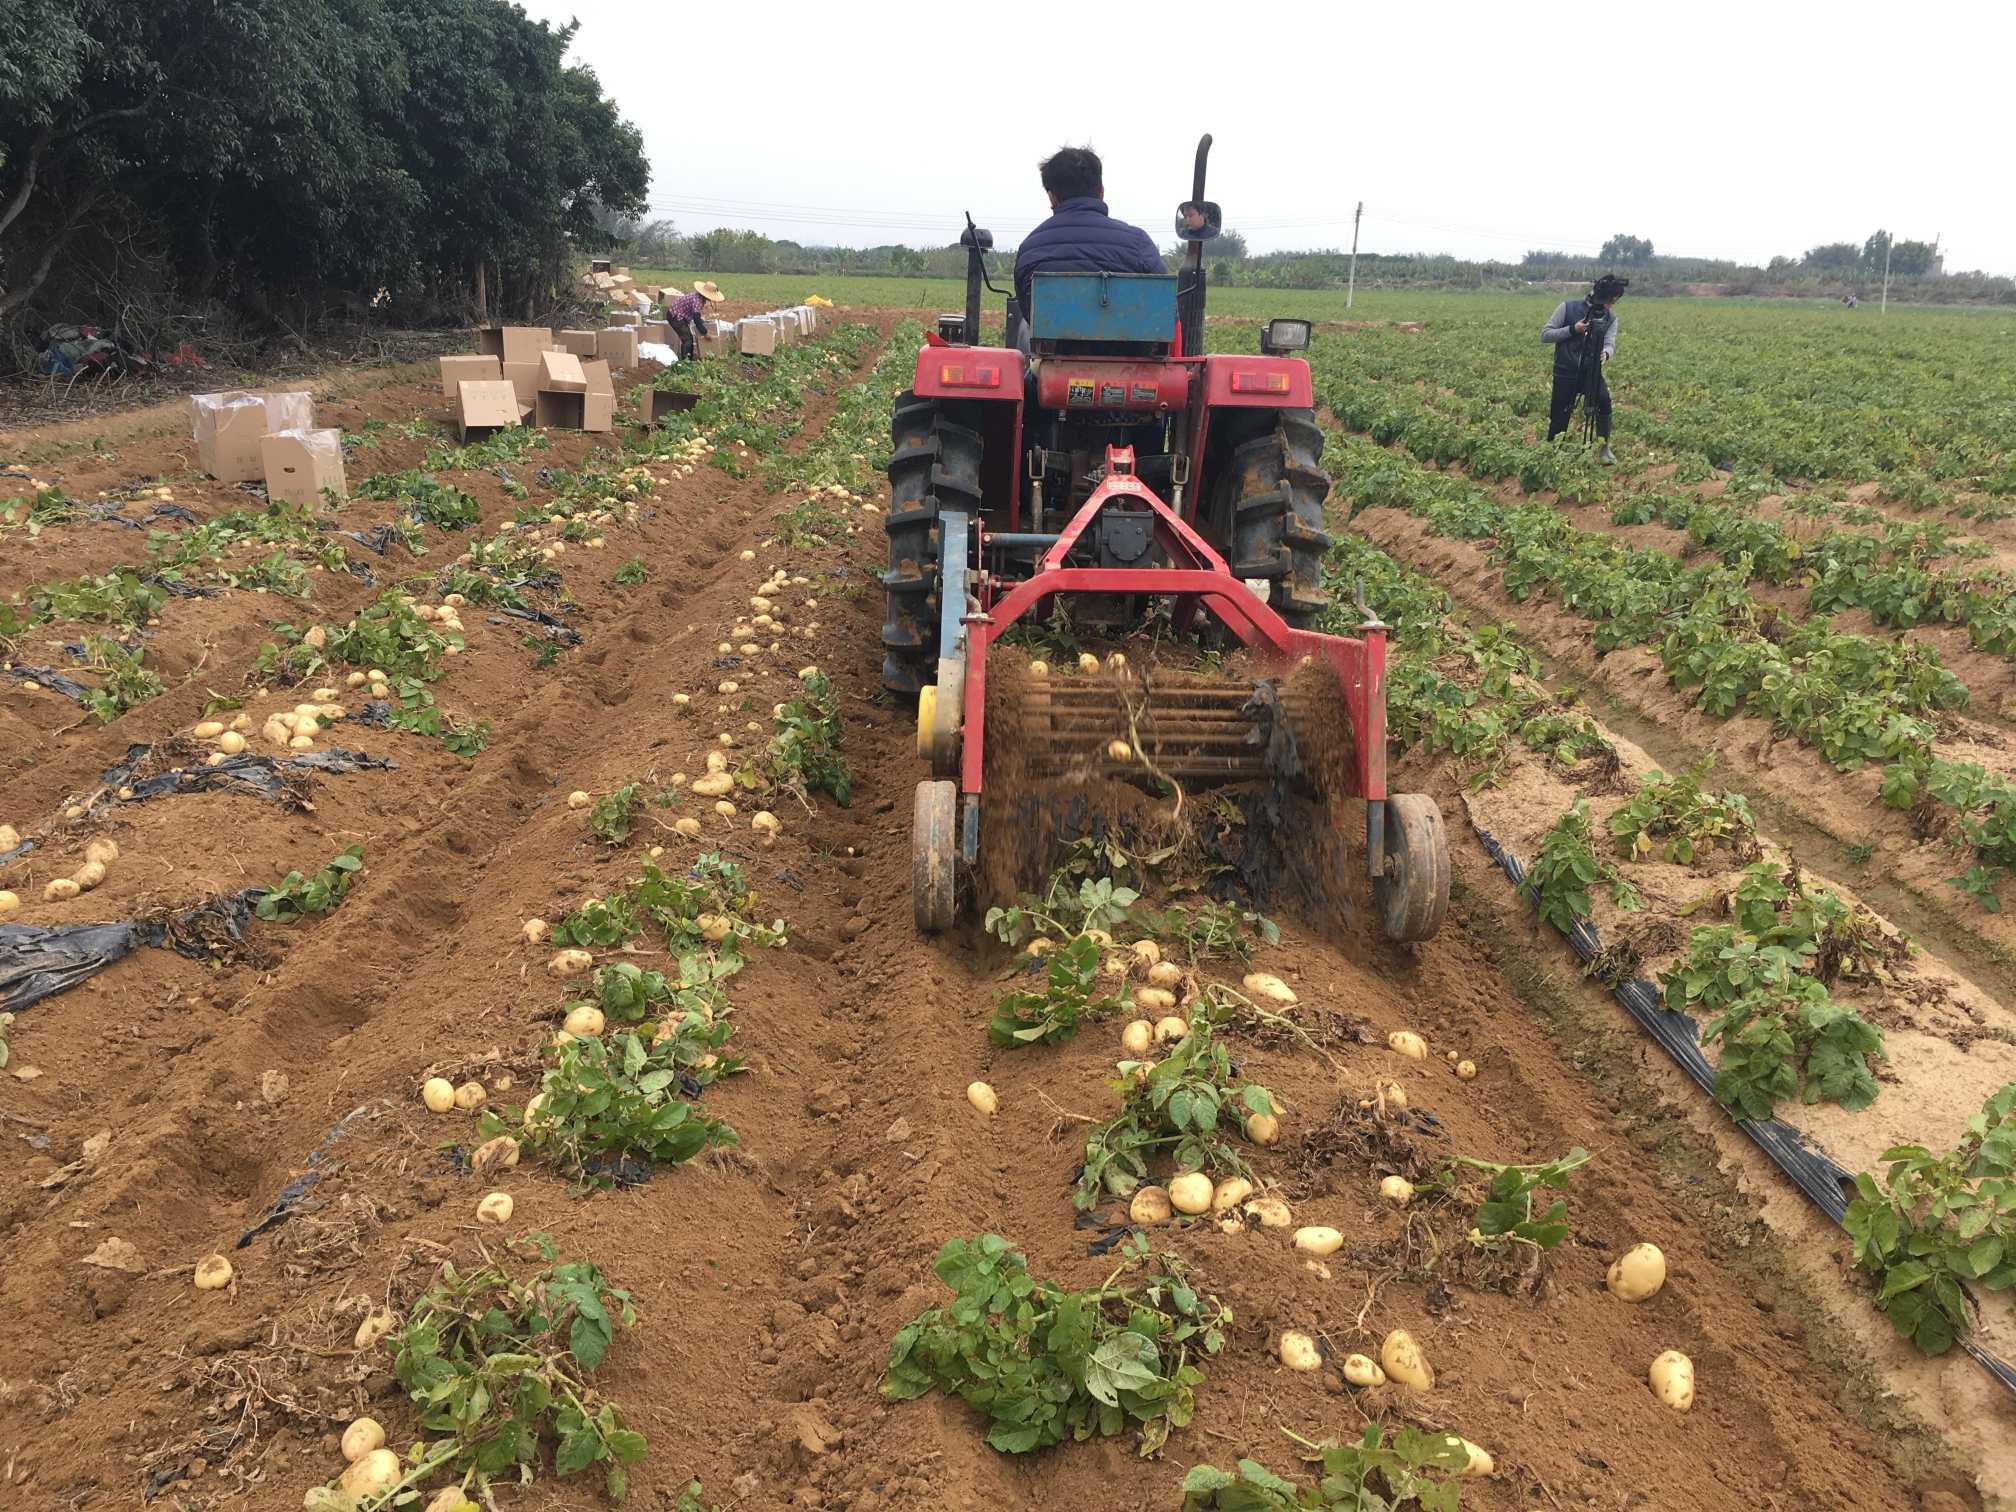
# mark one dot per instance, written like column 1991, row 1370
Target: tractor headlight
column 1280, row 336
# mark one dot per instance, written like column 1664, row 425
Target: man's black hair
column 1074, row 173
column 1609, row 287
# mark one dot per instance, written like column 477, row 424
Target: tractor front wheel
column 1413, row 893
column 1272, row 496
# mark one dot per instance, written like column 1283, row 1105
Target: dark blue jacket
column 1082, row 238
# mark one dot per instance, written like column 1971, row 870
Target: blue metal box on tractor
column 1099, row 463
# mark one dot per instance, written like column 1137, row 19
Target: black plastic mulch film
column 1820, row 1178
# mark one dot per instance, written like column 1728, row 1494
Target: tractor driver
column 1079, row 236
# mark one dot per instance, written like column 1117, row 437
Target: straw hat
column 707, row 291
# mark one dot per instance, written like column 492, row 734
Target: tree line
column 283, row 162
column 1832, row 269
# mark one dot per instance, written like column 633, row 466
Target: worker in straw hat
column 685, row 314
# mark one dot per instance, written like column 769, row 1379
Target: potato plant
column 297, row 896
column 713, row 890
column 1682, row 820
column 1069, row 996
column 1415, row 1469
column 1506, row 1216
column 498, row 1368
column 614, row 813
column 123, row 681
column 604, row 1101
column 1043, row 1364
column 1933, row 1225
column 1183, row 1106
column 1560, row 880
column 804, row 755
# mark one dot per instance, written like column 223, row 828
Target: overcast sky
column 1717, row 130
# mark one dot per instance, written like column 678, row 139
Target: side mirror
column 1198, row 220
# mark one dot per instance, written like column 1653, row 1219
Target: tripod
column 1589, row 379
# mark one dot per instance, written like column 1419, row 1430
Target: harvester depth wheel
column 933, row 463
column 934, row 847
column 1413, row 895
column 1273, row 493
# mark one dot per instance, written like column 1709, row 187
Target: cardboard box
column 468, row 369
column 617, row 346
column 787, row 330
column 625, row 318
column 524, row 380
column 560, row 373
column 556, row 411
column 755, row 337
column 596, row 371
column 598, row 265
column 580, row 343
column 667, row 294
column 654, row 330
column 300, row 464
column 619, row 270
column 598, row 407
column 514, row 343
column 810, row 318
column 228, row 427
column 485, row 406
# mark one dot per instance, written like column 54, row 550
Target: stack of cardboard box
column 242, row 436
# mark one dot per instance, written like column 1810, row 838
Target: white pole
column 1888, row 242
column 1351, row 288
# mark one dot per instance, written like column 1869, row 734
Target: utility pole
column 1351, row 288
column 1888, row 242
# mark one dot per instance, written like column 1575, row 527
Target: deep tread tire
column 933, row 462
column 1277, row 487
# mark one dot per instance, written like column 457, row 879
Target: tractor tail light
column 1259, row 383
column 957, row 375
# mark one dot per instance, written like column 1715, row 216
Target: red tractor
column 1099, row 459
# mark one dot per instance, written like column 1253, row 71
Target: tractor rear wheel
column 934, row 463
column 1273, row 494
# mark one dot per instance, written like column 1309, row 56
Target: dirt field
column 769, row 1280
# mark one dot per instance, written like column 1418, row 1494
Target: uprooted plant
column 498, row 1370
column 1506, row 1216
column 1044, row 1364
column 1068, row 996
column 1371, row 1475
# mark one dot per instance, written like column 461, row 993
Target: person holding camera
column 1583, row 333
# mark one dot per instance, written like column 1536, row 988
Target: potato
column 535, row 930
column 495, row 1209
column 1099, row 937
column 451, row 1499
column 213, row 1273
column 1171, row 1029
column 1394, row 1094
column 1190, row 1192
column 374, row 1327
column 585, row 1022
column 714, row 928
column 103, row 851
column 9, row 903
column 355, row 680
column 438, row 1093
column 1397, row 1190
column 1263, row 1128
column 1318, row 1239
column 725, row 809
column 373, row 1475
column 9, row 837
column 579, row 800
column 1119, row 750
column 764, row 822
column 1116, row 662
column 1165, row 974
column 1637, row 1274
column 1269, row 988
column 1039, row 669
column 1401, row 1358
column 1150, row 1205
column 1087, row 662
column 210, row 729
column 1466, row 1070
column 1361, row 1371
column 1299, row 1352
column 60, row 891
column 301, row 743
column 1154, row 999
column 1137, row 1037
column 714, row 785
column 316, row 637
column 307, row 727
column 687, row 826
column 1229, row 1193
column 1406, row 1042
column 1480, row 1463
column 361, row 1437
column 1672, row 1378
column 532, row 1108
column 728, row 685
column 231, row 743
column 470, row 1096
column 569, row 963
column 89, row 875
column 494, row 1155
column 982, row 1097
column 1269, row 1212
